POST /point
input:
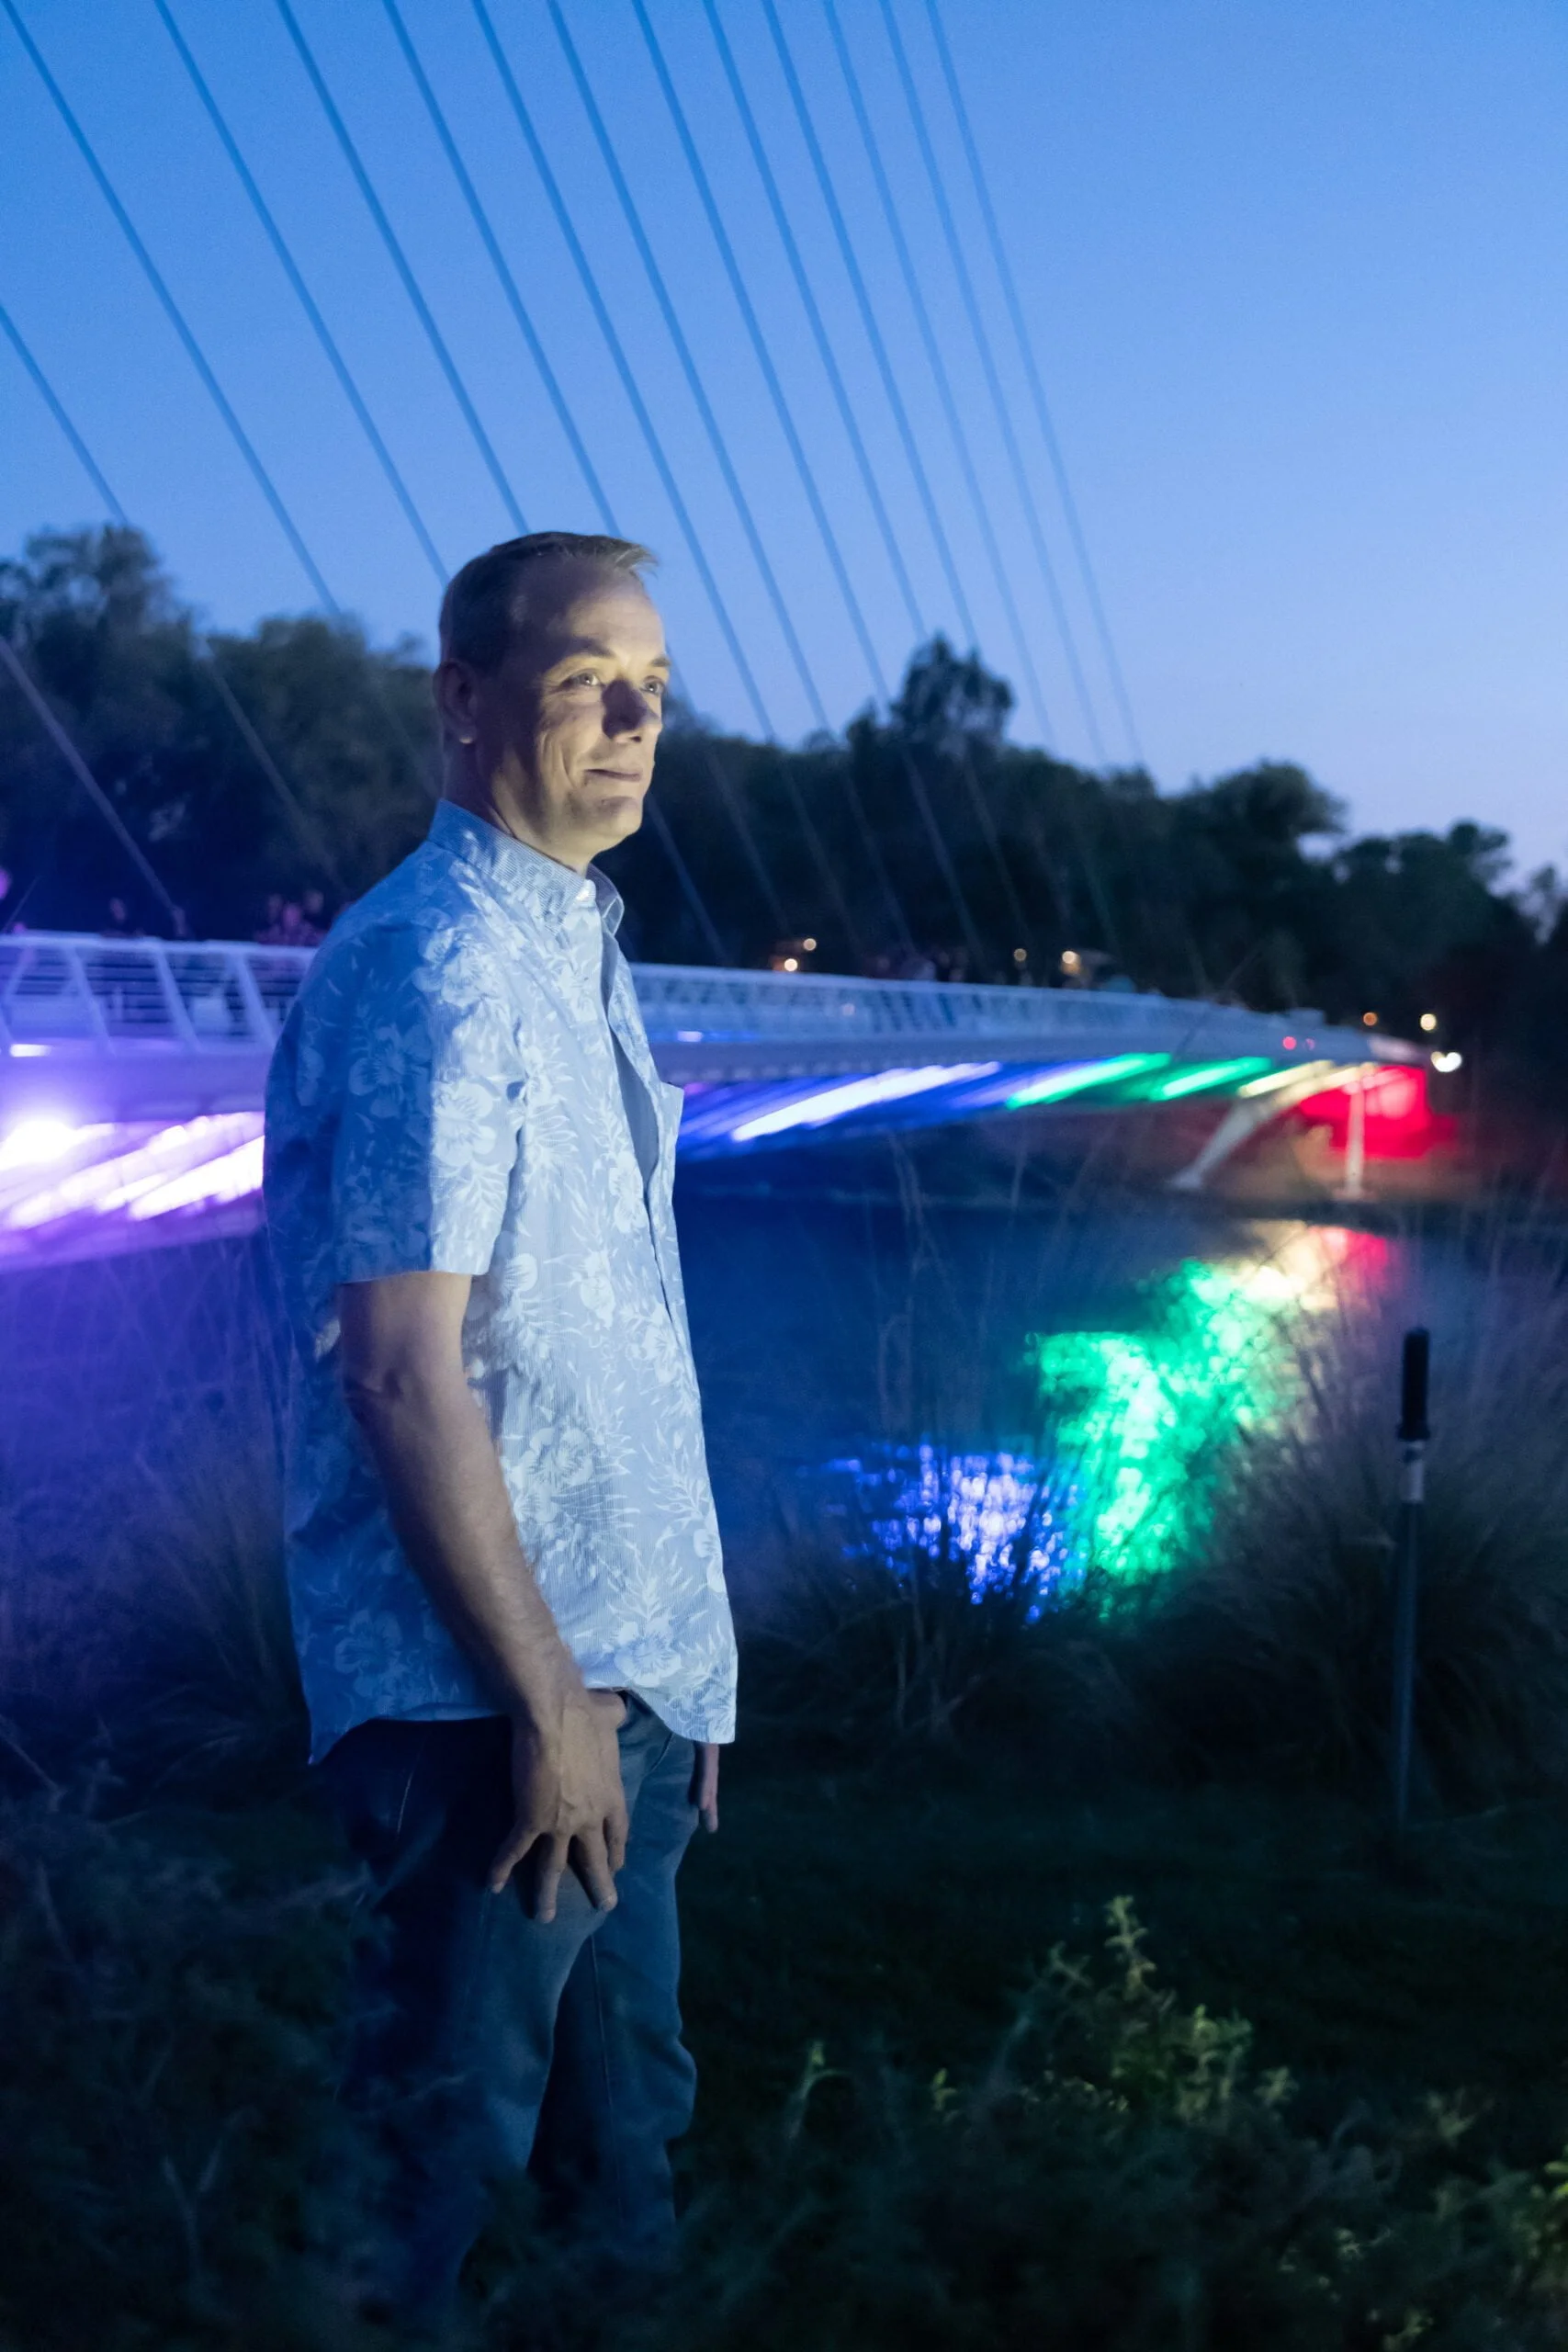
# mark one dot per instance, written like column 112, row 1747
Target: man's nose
column 628, row 710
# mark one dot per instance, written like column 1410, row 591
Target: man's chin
column 614, row 817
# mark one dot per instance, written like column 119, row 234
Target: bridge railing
column 150, row 997
column 132, row 996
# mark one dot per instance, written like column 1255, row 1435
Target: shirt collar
column 529, row 884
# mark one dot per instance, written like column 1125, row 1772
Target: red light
column 1399, row 1123
column 1289, row 1044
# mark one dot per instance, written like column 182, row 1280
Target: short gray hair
column 479, row 611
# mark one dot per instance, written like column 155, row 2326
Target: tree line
column 290, row 766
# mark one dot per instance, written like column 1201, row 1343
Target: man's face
column 563, row 734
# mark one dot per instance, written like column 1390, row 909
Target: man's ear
column 456, row 689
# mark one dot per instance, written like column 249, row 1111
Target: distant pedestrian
column 504, row 1566
column 288, row 923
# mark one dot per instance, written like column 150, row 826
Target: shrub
column 170, row 2153
column 161, row 1641
column 1268, row 1647
column 1122, row 2175
column 899, row 1625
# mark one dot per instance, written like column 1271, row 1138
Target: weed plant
column 1261, row 1648
column 1122, row 2171
column 1268, row 1648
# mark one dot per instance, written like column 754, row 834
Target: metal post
column 1413, row 1436
column 1355, row 1185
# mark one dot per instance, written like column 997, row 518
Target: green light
column 1077, row 1075
column 1207, row 1074
column 1143, row 1421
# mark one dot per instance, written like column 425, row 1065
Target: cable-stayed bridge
column 132, row 1071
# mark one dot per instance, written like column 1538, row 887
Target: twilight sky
column 1296, row 272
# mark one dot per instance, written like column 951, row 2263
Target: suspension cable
column 89, row 782
column 311, row 836
column 175, row 315
column 814, row 319
column 965, row 277
column 623, row 366
column 56, row 408
column 733, row 806
column 850, row 421
column 961, row 443
column 938, row 366
column 787, row 422
column 869, row 322
column 499, row 263
column 421, row 309
column 307, row 301
column 827, row 872
column 1032, row 372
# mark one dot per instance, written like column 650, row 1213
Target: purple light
column 836, row 1102
column 116, row 1182
column 229, row 1177
column 37, row 1143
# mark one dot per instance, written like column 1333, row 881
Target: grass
column 941, row 2103
column 944, row 2101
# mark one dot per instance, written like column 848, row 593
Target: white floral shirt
column 464, row 1084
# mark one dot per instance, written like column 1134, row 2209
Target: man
column 504, row 1568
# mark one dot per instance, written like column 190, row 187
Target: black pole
column 1413, row 1433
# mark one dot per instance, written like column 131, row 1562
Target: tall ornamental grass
column 1268, row 1647
column 1259, row 1643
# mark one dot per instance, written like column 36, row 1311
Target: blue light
column 858, row 1094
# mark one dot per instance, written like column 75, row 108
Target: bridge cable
column 1032, row 374
column 869, row 322
column 686, row 879
column 787, row 426
column 965, row 281
column 56, row 408
column 853, row 433
column 314, row 841
column 579, row 448
column 307, row 303
column 813, row 318
column 311, row 840
column 906, row 434
column 514, row 298
column 204, row 369
column 421, row 309
column 827, row 872
column 88, row 781
column 175, row 316
column 590, row 283
column 502, row 268
column 961, row 442
column 998, row 399
column 938, row 366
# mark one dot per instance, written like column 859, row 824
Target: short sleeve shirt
column 464, row 1085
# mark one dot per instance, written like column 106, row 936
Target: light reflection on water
column 995, row 1512
column 1136, row 1424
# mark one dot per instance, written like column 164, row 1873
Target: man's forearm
column 453, row 1516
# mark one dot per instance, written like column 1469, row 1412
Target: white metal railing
column 135, row 997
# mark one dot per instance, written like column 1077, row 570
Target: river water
column 1057, row 1373
column 1053, row 1380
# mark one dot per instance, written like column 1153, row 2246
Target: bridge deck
column 132, row 1071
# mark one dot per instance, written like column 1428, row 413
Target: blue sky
column 1297, row 276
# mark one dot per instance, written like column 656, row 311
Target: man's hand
column 705, row 1784
column 569, row 1806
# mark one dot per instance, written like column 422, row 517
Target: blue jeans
column 485, row 2044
